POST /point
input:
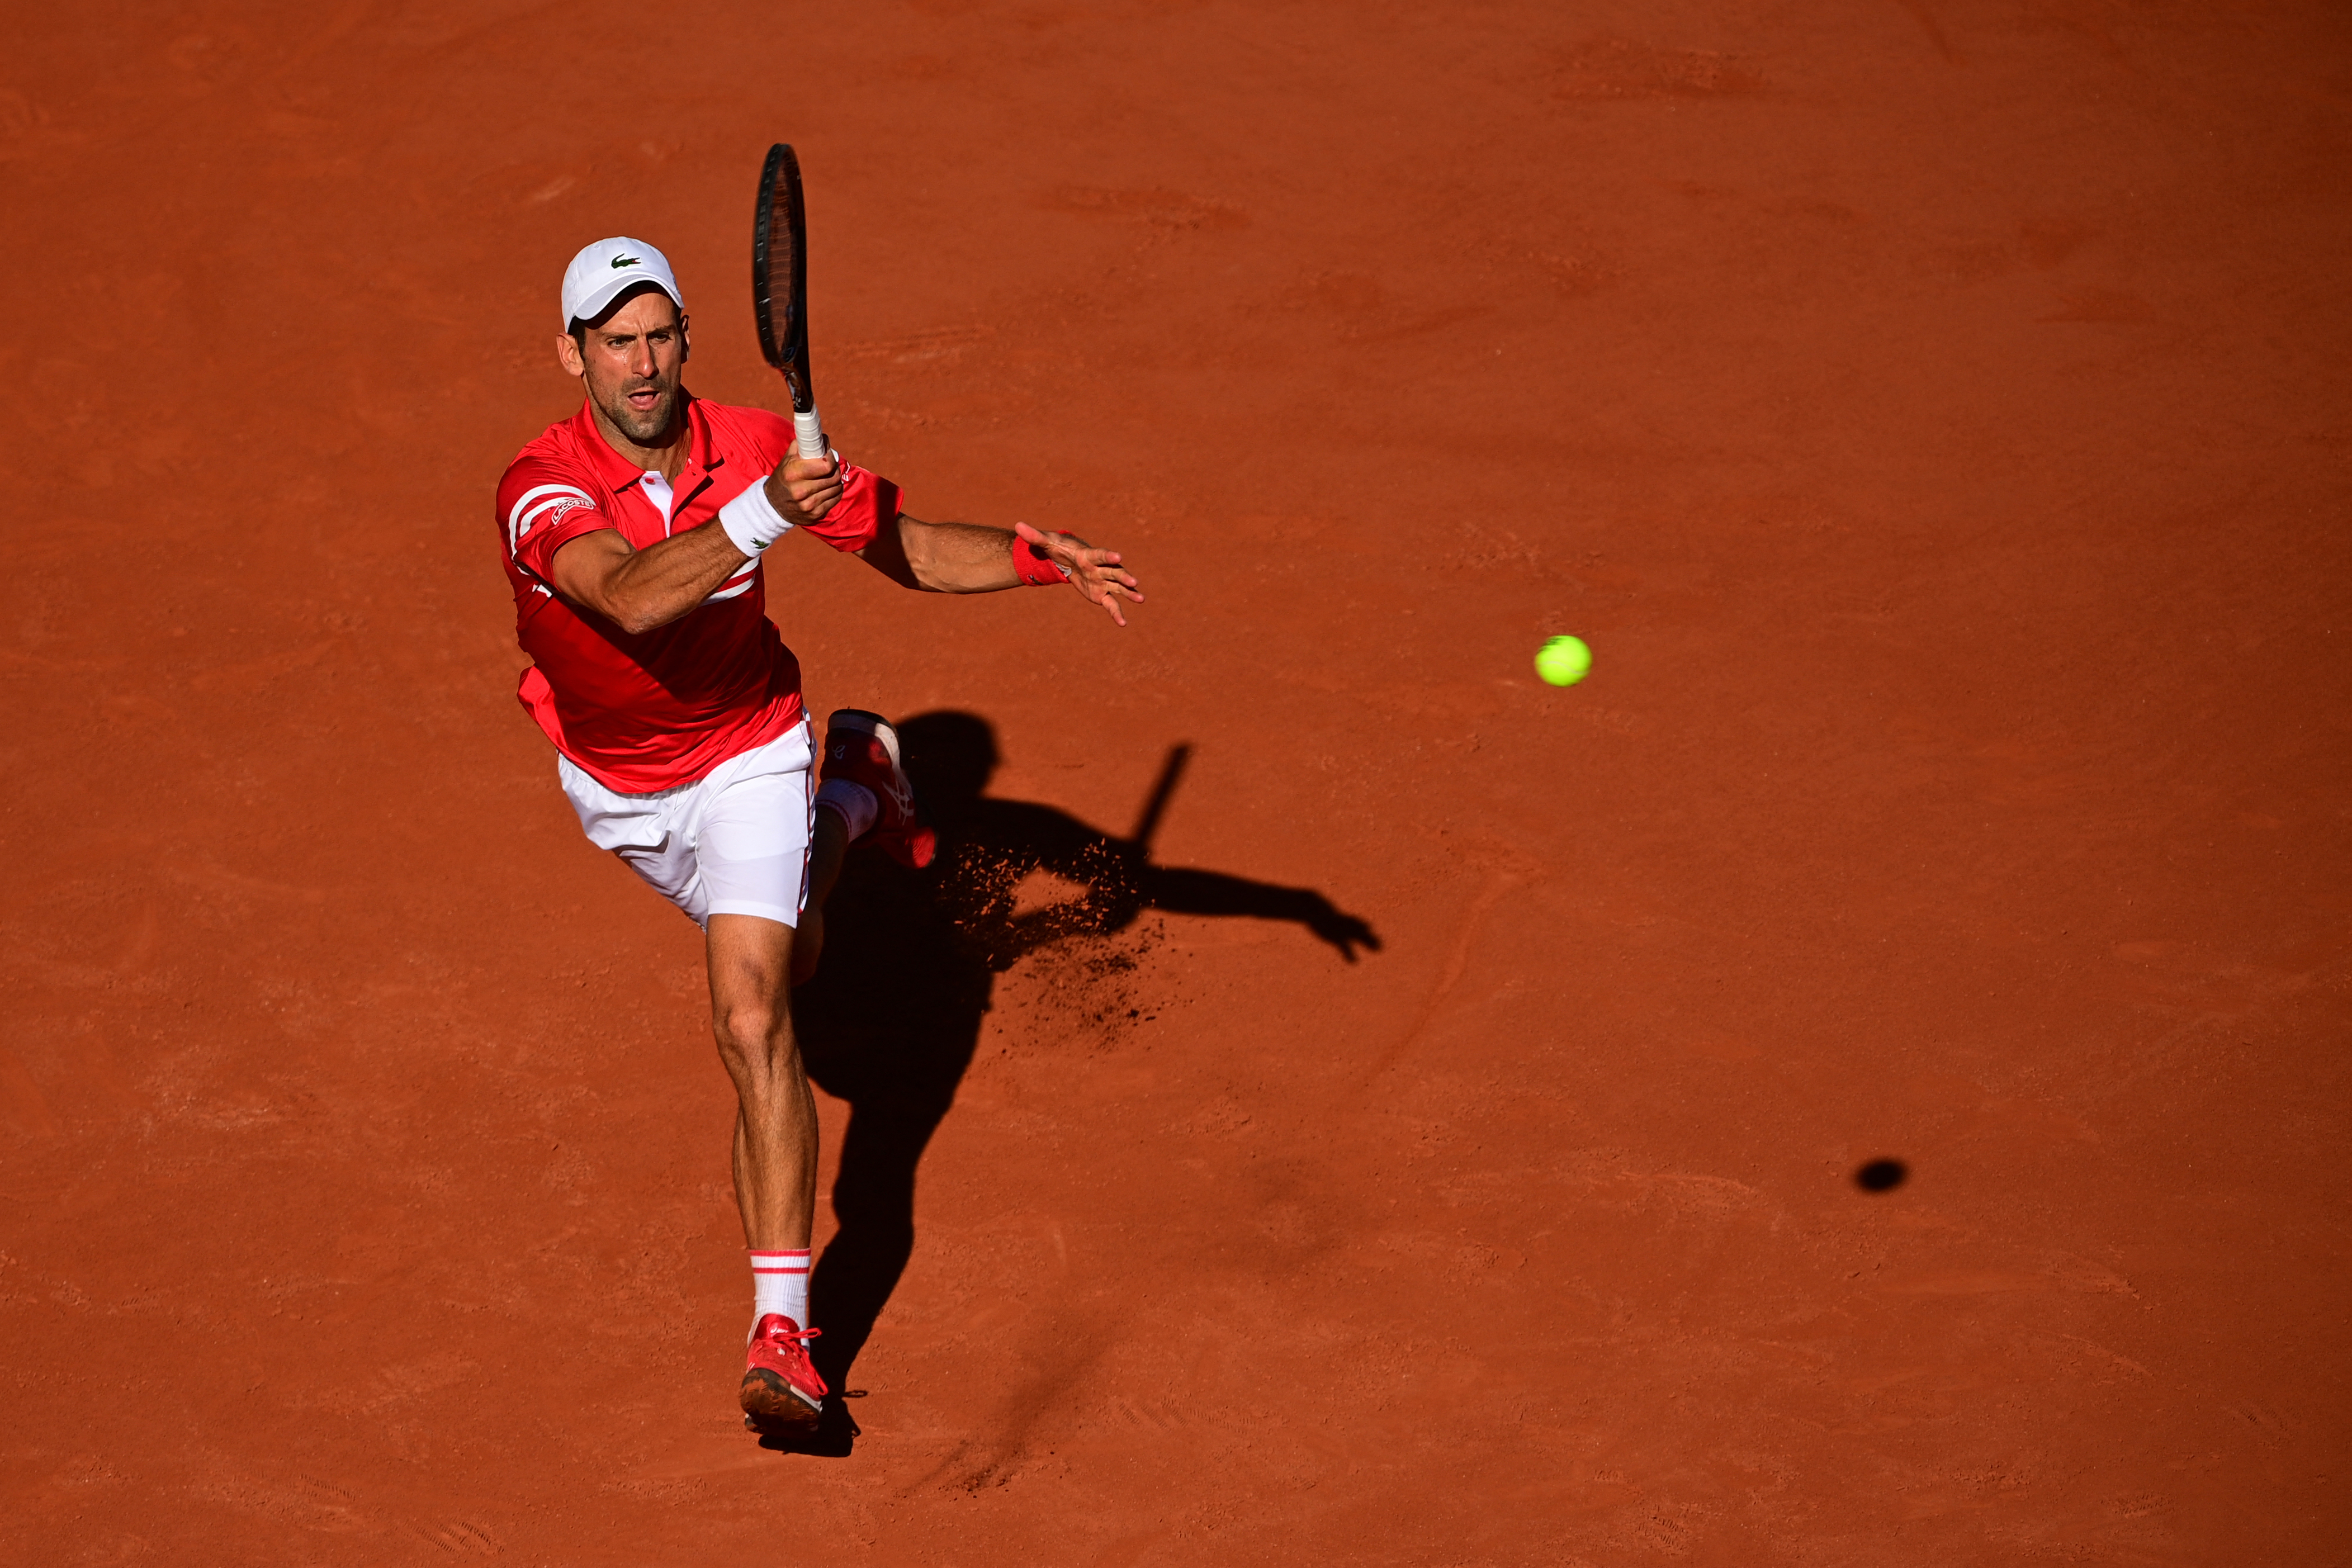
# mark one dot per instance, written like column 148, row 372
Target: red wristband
column 1034, row 569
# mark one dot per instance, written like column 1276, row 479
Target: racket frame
column 782, row 316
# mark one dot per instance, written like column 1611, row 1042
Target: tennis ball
column 1564, row 661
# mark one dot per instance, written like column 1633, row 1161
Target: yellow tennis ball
column 1564, row 661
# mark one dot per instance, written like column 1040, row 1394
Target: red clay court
column 1934, row 415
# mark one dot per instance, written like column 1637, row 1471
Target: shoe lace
column 779, row 1334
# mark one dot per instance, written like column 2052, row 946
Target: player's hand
column 1340, row 928
column 1093, row 572
column 805, row 488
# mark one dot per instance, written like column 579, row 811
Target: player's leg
column 864, row 780
column 774, row 1157
column 734, row 852
column 746, row 856
column 775, row 1130
column 752, row 834
column 865, row 791
column 768, row 859
column 751, row 854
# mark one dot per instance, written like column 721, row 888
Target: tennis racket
column 779, row 289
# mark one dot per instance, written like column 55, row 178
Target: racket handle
column 809, row 431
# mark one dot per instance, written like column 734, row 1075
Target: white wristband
column 753, row 522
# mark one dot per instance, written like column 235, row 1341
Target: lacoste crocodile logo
column 621, row 261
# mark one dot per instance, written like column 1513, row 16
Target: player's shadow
column 889, row 1023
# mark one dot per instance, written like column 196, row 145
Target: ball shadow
column 1882, row 1175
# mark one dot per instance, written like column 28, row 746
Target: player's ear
column 684, row 340
column 568, row 355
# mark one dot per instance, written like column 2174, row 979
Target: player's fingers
column 810, row 509
column 1104, row 591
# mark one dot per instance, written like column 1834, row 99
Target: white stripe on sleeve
column 523, row 513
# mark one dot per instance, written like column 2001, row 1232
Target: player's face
column 632, row 363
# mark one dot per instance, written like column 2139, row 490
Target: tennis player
column 635, row 536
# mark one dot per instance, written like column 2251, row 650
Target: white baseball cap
column 606, row 267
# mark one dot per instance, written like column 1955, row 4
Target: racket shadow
column 890, row 1021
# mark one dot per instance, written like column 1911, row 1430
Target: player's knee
column 757, row 1030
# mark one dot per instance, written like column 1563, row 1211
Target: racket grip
column 808, row 430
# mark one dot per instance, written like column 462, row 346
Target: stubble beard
column 646, row 429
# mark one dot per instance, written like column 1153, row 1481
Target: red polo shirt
column 664, row 707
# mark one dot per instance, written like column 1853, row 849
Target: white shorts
column 734, row 842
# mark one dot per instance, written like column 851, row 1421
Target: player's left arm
column 968, row 558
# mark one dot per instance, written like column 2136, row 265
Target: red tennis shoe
column 862, row 747
column 779, row 1386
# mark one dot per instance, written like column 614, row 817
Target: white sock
column 779, row 1284
column 854, row 803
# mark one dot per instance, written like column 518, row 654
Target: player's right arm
column 638, row 589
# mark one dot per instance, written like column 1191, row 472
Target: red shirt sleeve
column 867, row 502
column 544, row 504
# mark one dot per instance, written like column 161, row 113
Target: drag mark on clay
column 1457, row 964
column 1621, row 69
column 220, row 879
column 1928, row 25
column 2155, row 1055
column 462, row 1538
column 974, row 1463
